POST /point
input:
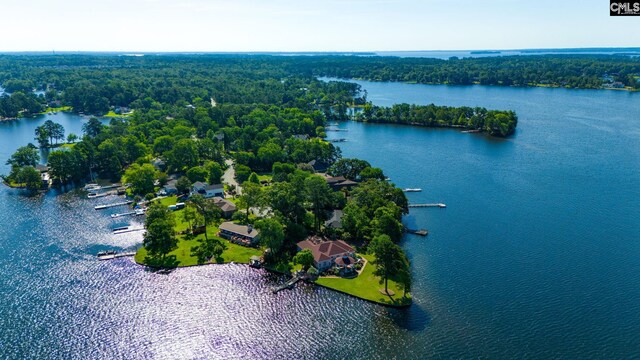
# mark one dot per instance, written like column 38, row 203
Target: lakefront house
column 327, row 253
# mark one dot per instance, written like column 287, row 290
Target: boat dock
column 338, row 140
column 288, row 285
column 102, row 207
column 126, row 229
column 412, row 190
column 421, row 232
column 439, row 205
column 112, row 256
column 113, row 216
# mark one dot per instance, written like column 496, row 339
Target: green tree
column 72, row 138
column 207, row 209
column 197, row 173
column 208, row 249
column 93, row 127
column 271, row 234
column 183, row 185
column 318, row 193
column 215, row 172
column 30, row 177
column 349, row 168
column 159, row 239
column 304, row 258
column 24, row 156
column 141, row 178
column 190, row 215
column 251, row 197
column 242, row 173
column 390, row 260
column 254, row 179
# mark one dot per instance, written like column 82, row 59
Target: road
column 229, row 176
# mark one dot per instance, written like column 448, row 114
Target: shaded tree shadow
column 412, row 318
column 160, row 265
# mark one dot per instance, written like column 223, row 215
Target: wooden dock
column 116, row 255
column 421, row 232
column 124, row 231
column 439, row 205
column 102, row 207
column 288, row 285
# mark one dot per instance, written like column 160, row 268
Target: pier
column 102, row 207
column 115, row 255
column 288, row 285
column 421, row 232
column 126, row 230
column 114, row 216
column 439, row 205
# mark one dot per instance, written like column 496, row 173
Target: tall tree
column 141, row 178
column 24, row 156
column 390, row 260
column 93, row 127
column 318, row 193
column 207, row 209
column 160, row 238
column 271, row 234
column 251, row 197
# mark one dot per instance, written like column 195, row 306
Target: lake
column 536, row 254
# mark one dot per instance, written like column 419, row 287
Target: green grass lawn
column 367, row 286
column 113, row 114
column 56, row 109
column 236, row 253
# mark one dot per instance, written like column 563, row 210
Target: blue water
column 446, row 54
column 536, row 255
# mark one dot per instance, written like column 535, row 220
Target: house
column 340, row 182
column 325, row 252
column 240, row 234
column 227, row 207
column 335, row 221
column 169, row 188
column 208, row 191
column 318, row 166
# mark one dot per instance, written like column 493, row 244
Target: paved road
column 229, row 176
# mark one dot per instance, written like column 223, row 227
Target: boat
column 92, row 196
column 412, row 190
column 120, row 228
column 140, row 212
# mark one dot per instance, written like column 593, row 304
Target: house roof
column 223, row 204
column 334, row 180
column 345, row 260
column 213, row 187
column 325, row 250
column 199, row 185
column 239, row 229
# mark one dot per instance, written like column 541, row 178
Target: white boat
column 412, row 190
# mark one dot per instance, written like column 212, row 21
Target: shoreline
column 272, row 270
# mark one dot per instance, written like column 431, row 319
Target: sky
column 310, row 25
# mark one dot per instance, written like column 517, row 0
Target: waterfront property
column 339, row 182
column 208, row 191
column 239, row 234
column 325, row 252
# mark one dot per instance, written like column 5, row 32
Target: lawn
column 236, row 253
column 367, row 286
column 56, row 109
column 112, row 114
column 233, row 253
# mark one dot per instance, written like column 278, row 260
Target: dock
column 126, row 230
column 288, row 285
column 114, row 216
column 421, row 232
column 338, row 140
column 439, row 205
column 412, row 190
column 102, row 207
column 116, row 255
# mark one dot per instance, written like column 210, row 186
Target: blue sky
column 306, row 25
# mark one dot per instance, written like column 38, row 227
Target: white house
column 208, row 191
